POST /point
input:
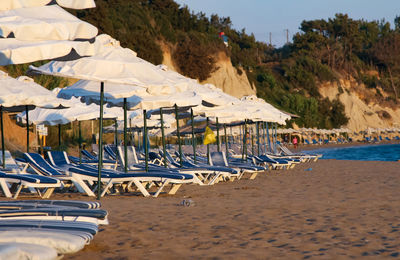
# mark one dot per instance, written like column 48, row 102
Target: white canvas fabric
column 73, row 4
column 208, row 92
column 137, row 97
column 77, row 111
column 114, row 64
column 239, row 112
column 24, row 91
column 268, row 107
column 44, row 23
column 62, row 242
column 13, row 51
column 136, row 121
column 213, row 95
column 22, row 251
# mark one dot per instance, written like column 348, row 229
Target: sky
column 262, row 17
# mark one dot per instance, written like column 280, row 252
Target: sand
column 337, row 210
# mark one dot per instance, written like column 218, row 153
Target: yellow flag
column 209, row 136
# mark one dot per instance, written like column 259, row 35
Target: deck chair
column 93, row 160
column 133, row 162
column 306, row 157
column 225, row 172
column 42, row 167
column 11, row 164
column 110, row 178
column 205, row 175
column 20, row 181
column 219, row 159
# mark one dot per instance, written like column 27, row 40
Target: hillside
column 329, row 71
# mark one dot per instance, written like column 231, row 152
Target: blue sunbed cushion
column 30, row 178
column 39, row 163
column 131, row 175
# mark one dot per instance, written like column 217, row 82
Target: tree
column 387, row 52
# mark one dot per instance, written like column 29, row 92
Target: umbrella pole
column 27, row 128
column 100, row 166
column 258, row 138
column 269, row 142
column 125, row 136
column 178, row 134
column 233, row 138
column 252, row 139
column 3, row 149
column 116, row 132
column 59, row 137
column 264, row 138
column 193, row 137
column 145, row 141
column 139, row 140
column 218, row 144
column 240, row 134
column 276, row 137
column 243, row 140
column 80, row 142
column 226, row 143
column 245, row 133
column 208, row 146
column 163, row 139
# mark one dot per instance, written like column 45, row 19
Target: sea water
column 378, row 152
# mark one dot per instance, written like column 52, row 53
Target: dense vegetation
column 288, row 77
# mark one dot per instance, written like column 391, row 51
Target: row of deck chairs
column 62, row 172
column 47, row 229
column 380, row 139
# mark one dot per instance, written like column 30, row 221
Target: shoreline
column 335, row 211
column 311, row 147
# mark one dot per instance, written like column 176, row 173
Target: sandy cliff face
column 226, row 77
column 361, row 115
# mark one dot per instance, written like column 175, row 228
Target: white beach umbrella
column 77, row 111
column 267, row 108
column 73, row 4
column 117, row 65
column 209, row 93
column 151, row 97
column 23, row 91
column 13, row 51
column 44, row 23
column 42, row 33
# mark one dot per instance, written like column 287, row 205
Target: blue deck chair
column 20, row 181
column 93, row 160
column 111, row 152
column 134, row 165
column 204, row 171
column 50, row 224
column 219, row 159
column 273, row 163
column 42, row 167
column 111, row 178
column 58, row 203
column 190, row 163
column 387, row 138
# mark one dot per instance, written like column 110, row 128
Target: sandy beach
column 337, row 210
